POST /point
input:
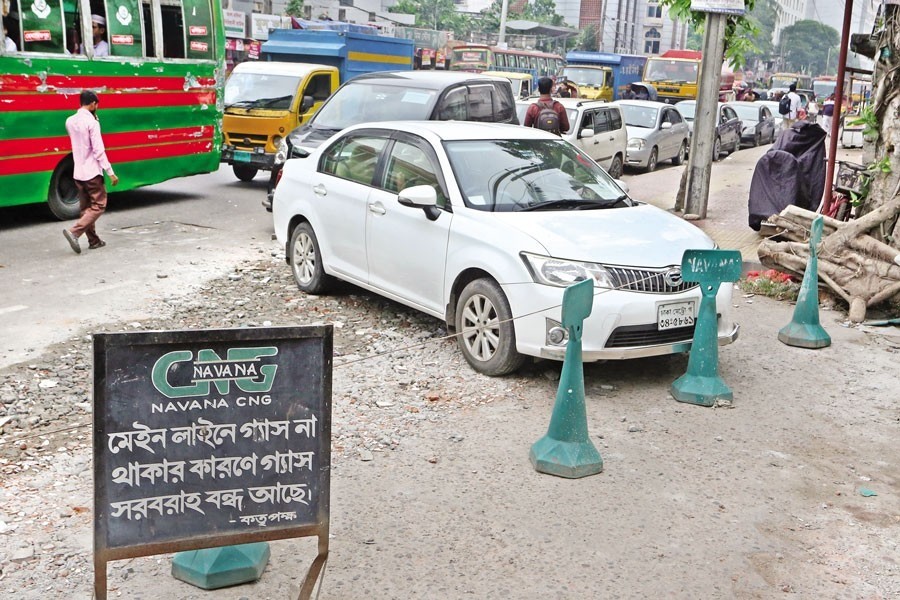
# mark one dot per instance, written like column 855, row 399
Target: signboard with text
column 235, row 23
column 729, row 7
column 210, row 438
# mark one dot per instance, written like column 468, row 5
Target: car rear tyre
column 617, row 167
column 757, row 140
column 682, row 152
column 485, row 331
column 652, row 161
column 717, row 149
column 62, row 197
column 244, row 173
column 306, row 261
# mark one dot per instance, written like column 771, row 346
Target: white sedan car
column 484, row 225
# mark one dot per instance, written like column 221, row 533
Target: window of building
column 651, row 41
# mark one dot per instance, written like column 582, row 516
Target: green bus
column 158, row 68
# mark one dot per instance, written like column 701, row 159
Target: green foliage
column 434, row 14
column 772, row 284
column 294, row 8
column 805, row 46
column 869, row 120
column 764, row 17
column 740, row 31
column 587, row 39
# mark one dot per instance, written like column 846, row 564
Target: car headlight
column 281, row 154
column 563, row 273
column 636, row 144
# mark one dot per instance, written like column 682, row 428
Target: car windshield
column 530, row 175
column 363, row 101
column 583, row 76
column 255, row 90
column 640, row 116
column 746, row 113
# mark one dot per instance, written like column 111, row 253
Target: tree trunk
column 885, row 102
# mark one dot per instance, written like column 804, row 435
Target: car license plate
column 241, row 156
column 674, row 315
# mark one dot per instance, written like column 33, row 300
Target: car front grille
column 629, row 336
column 255, row 139
column 651, row 281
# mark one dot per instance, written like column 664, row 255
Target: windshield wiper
column 577, row 204
column 259, row 102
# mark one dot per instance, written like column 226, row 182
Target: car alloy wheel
column 306, row 261
column 717, row 149
column 682, row 152
column 486, row 334
column 651, row 162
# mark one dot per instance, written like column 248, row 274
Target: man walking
column 547, row 113
column 90, row 163
column 791, row 116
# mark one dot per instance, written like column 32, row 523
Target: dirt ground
column 433, row 495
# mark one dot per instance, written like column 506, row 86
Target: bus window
column 149, row 45
column 172, row 29
column 42, row 27
column 124, row 30
column 500, row 59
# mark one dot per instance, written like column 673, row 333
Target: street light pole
column 501, row 39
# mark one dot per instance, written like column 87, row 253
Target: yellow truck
column 265, row 101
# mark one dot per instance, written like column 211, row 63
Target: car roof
column 436, row 80
column 651, row 103
column 265, row 67
column 744, row 103
column 567, row 102
column 460, row 130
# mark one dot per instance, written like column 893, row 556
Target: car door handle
column 319, row 190
column 377, row 208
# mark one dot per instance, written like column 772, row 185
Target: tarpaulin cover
column 791, row 172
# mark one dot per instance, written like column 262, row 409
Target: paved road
column 161, row 240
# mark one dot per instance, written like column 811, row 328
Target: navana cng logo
column 241, row 366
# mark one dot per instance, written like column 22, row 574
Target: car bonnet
column 641, row 235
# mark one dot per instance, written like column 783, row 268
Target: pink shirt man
column 87, row 146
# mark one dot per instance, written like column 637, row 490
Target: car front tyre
column 244, row 173
column 485, row 331
column 306, row 261
column 652, row 161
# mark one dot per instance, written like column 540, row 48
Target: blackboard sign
column 209, row 438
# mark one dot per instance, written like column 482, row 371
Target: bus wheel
column 62, row 198
column 244, row 173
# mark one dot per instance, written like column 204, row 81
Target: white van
column 596, row 127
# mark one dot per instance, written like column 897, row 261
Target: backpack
column 784, row 105
column 547, row 118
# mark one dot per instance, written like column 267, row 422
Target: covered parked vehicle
column 791, row 172
column 484, row 226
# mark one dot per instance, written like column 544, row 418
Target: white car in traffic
column 483, row 226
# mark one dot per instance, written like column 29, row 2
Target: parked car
column 393, row 95
column 772, row 105
column 483, row 226
column 595, row 126
column 656, row 132
column 758, row 123
column 728, row 127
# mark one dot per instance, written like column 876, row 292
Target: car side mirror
column 306, row 103
column 666, row 125
column 586, row 133
column 420, row 196
column 299, row 152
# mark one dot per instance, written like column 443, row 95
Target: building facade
column 627, row 26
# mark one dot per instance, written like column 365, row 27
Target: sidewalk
column 726, row 217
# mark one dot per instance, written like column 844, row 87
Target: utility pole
column 504, row 9
column 703, row 138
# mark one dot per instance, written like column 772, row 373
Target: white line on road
column 10, row 309
column 107, row 288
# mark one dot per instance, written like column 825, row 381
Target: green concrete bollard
column 214, row 568
column 566, row 450
column 701, row 383
column 804, row 330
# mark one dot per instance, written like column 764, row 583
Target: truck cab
column 265, row 101
column 594, row 82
